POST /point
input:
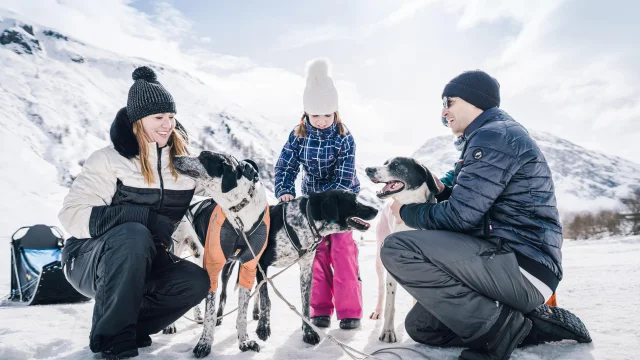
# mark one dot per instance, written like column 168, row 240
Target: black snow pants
column 138, row 289
column 461, row 284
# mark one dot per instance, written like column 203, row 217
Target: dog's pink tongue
column 393, row 185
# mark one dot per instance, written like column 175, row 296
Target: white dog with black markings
column 238, row 204
column 408, row 182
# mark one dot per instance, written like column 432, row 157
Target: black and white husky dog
column 296, row 230
column 239, row 197
column 408, row 182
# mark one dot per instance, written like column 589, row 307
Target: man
column 488, row 254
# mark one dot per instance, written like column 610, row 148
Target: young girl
column 326, row 150
column 121, row 211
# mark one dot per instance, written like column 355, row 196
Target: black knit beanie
column 147, row 96
column 475, row 87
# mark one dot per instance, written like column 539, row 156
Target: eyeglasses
column 446, row 103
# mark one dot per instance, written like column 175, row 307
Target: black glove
column 247, row 169
column 161, row 227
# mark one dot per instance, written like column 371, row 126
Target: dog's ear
column 229, row 180
column 253, row 163
column 431, row 183
column 213, row 167
column 329, row 209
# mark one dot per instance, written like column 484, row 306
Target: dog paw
column 171, row 329
column 263, row 332
column 310, row 337
column 219, row 322
column 249, row 345
column 375, row 315
column 388, row 336
column 256, row 314
column 202, row 349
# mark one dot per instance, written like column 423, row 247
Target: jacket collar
column 320, row 133
column 483, row 118
column 124, row 141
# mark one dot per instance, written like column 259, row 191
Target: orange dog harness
column 233, row 248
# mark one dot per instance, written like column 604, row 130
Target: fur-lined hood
column 123, row 139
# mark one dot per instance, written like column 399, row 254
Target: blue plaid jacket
column 328, row 160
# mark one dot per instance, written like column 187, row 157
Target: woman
column 121, row 211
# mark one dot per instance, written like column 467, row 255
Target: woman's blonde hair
column 177, row 141
column 301, row 129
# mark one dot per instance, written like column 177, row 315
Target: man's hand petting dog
column 161, row 227
column 286, row 198
column 395, row 207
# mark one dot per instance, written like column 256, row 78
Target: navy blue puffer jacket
column 502, row 190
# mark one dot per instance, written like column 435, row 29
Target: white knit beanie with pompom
column 320, row 95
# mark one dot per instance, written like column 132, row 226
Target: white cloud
column 370, row 62
column 301, row 37
column 405, row 12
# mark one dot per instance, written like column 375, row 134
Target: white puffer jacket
column 112, row 177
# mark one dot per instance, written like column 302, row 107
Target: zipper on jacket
column 160, row 177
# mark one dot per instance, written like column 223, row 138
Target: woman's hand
column 161, row 227
column 286, row 198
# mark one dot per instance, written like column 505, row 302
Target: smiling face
column 459, row 115
column 403, row 177
column 158, row 127
column 342, row 209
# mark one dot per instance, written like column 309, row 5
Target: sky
column 566, row 67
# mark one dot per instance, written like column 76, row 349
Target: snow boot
column 143, row 340
column 555, row 324
column 124, row 350
column 507, row 337
column 321, row 321
column 349, row 324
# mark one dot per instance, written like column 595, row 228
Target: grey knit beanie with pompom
column 147, row 96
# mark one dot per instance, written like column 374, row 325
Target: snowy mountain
column 59, row 96
column 584, row 179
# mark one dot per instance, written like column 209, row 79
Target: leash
column 350, row 351
column 346, row 348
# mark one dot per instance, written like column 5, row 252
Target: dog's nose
column 370, row 171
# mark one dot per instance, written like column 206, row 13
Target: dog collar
column 245, row 201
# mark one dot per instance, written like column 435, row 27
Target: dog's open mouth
column 390, row 188
column 358, row 224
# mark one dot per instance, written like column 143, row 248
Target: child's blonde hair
column 301, row 129
column 179, row 146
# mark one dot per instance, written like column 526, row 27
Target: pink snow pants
column 342, row 284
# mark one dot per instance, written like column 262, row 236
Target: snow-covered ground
column 601, row 285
